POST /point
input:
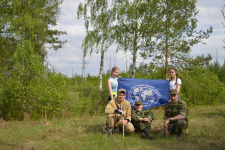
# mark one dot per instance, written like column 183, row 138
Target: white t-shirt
column 173, row 85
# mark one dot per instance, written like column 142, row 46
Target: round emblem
column 145, row 93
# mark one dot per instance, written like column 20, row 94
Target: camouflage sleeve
column 183, row 109
column 149, row 115
column 165, row 114
column 134, row 116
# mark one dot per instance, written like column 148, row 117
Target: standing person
column 142, row 119
column 175, row 82
column 175, row 116
column 113, row 83
column 119, row 114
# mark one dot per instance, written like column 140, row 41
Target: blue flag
column 151, row 92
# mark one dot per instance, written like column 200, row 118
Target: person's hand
column 123, row 113
column 145, row 119
column 119, row 77
column 125, row 122
column 166, row 122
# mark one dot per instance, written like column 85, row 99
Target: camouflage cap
column 173, row 91
column 122, row 91
column 138, row 103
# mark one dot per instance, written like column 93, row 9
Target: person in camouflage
column 141, row 119
column 175, row 116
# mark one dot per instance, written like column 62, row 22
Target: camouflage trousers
column 176, row 127
column 140, row 125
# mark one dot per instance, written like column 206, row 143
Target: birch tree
column 137, row 22
column 97, row 17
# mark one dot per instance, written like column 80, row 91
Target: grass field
column 206, row 131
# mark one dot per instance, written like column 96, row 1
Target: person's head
column 173, row 95
column 138, row 105
column 173, row 73
column 114, row 72
column 121, row 94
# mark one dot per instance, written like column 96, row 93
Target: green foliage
column 84, row 98
column 201, row 86
column 219, row 70
column 136, row 24
column 177, row 33
column 29, row 90
column 29, row 20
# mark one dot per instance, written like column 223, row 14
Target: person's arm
column 110, row 89
column 148, row 116
column 110, row 108
column 134, row 116
column 178, row 117
column 178, row 88
column 165, row 118
column 178, row 85
column 128, row 113
column 165, row 126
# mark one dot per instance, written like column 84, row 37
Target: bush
column 29, row 90
column 200, row 86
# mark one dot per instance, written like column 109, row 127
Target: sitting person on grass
column 142, row 120
column 175, row 117
column 119, row 114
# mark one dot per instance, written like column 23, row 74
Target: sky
column 68, row 59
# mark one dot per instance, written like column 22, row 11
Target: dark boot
column 143, row 135
column 110, row 132
column 180, row 137
column 146, row 132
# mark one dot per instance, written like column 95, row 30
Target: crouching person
column 175, row 117
column 142, row 120
column 119, row 113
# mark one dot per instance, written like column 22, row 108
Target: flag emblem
column 145, row 93
column 152, row 93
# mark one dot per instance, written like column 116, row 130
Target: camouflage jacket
column 136, row 115
column 172, row 110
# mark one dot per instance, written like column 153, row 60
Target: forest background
column 29, row 90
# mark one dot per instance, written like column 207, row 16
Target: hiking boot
column 146, row 132
column 110, row 134
column 180, row 137
column 143, row 135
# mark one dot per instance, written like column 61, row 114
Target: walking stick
column 123, row 120
column 123, row 128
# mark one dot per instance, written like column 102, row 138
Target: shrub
column 200, row 86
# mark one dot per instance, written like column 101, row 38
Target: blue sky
column 68, row 59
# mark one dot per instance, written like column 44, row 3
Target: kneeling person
column 175, row 117
column 142, row 119
column 119, row 113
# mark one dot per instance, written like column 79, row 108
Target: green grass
column 206, row 131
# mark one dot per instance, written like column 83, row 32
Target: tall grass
column 206, row 131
